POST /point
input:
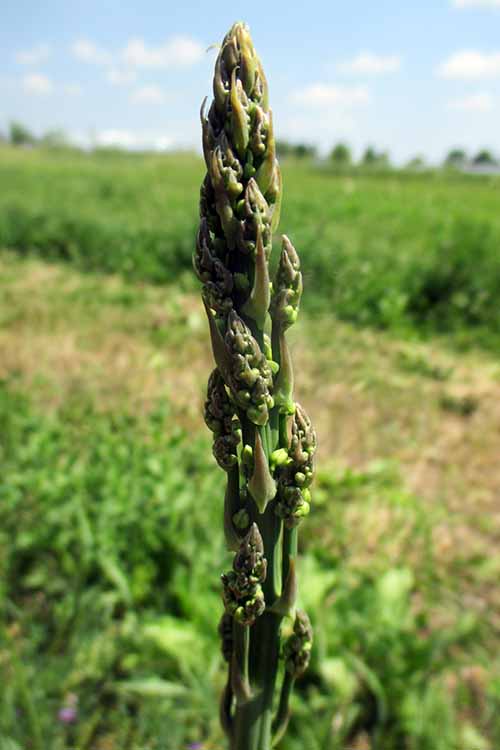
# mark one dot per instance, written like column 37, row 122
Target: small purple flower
column 195, row 746
column 67, row 714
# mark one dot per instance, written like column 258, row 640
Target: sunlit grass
column 391, row 250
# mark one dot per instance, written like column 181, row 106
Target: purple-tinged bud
column 249, row 377
column 243, row 596
column 297, row 651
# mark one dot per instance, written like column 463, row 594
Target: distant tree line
column 297, row 150
column 341, row 156
column 19, row 135
column 458, row 158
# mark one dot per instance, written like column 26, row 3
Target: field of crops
column 110, row 502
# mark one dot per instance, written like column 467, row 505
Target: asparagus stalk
column 263, row 440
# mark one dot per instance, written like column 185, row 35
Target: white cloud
column 475, row 3
column 88, row 52
column 471, row 64
column 177, row 52
column 132, row 140
column 149, row 94
column 34, row 56
column 40, row 85
column 480, row 102
column 367, row 63
column 37, row 83
column 117, row 77
column 327, row 95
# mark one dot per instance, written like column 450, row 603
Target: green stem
column 264, row 434
column 280, row 723
column 290, row 542
column 274, row 428
column 252, row 725
column 239, row 678
column 226, row 704
column 283, row 431
column 232, row 504
column 253, row 719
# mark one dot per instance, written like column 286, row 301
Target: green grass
column 111, row 547
column 111, row 532
column 110, row 504
column 392, row 250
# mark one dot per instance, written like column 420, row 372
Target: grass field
column 110, row 528
column 396, row 251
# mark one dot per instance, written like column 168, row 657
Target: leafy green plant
column 95, row 550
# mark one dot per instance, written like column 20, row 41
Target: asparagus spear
column 263, row 440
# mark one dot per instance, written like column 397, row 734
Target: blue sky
column 412, row 78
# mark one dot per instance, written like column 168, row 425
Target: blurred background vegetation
column 110, row 513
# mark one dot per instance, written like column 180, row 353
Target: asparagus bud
column 217, row 279
column 250, row 378
column 240, row 196
column 297, row 651
column 243, row 595
column 297, row 474
column 287, row 292
column 287, row 287
column 303, row 444
column 221, row 419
